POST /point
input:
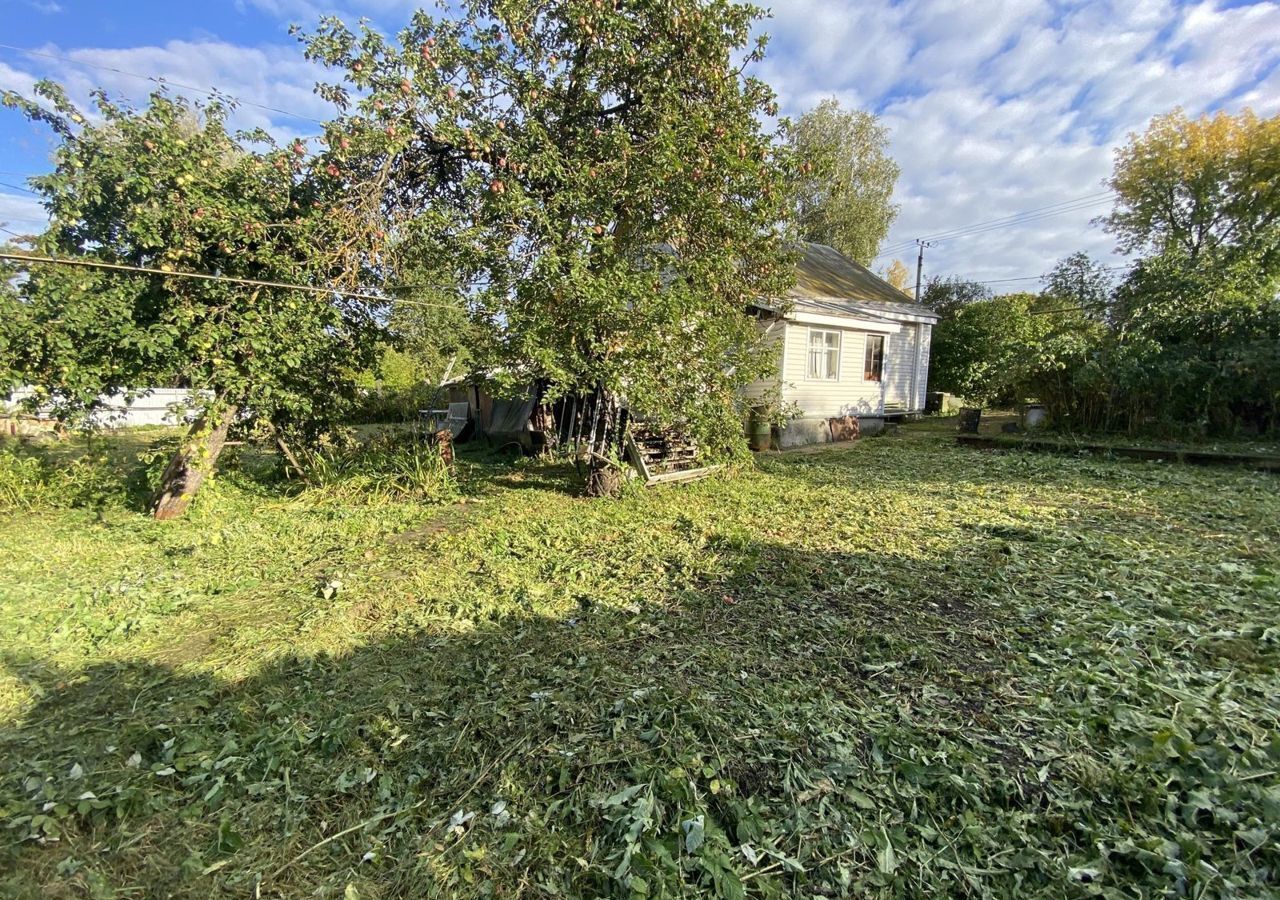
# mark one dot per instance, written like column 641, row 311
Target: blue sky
column 996, row 107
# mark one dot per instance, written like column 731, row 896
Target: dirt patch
column 449, row 519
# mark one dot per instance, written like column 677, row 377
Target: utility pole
column 920, row 266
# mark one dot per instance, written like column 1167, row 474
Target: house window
column 824, row 355
column 873, row 368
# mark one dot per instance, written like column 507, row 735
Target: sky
column 1004, row 114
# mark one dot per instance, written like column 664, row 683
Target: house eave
column 857, row 323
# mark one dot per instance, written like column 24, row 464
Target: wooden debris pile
column 664, row 455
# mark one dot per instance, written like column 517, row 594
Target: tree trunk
column 194, row 461
column 603, row 479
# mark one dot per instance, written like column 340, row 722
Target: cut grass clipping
column 901, row 669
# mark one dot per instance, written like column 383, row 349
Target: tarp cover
column 511, row 417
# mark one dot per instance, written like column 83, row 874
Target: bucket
column 970, row 418
column 759, row 431
column 1034, row 416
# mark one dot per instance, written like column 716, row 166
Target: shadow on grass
column 532, row 755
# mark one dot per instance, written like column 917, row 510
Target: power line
column 1021, row 218
column 1054, row 208
column 15, row 187
column 202, row 276
column 1040, row 277
column 211, row 92
column 1015, row 218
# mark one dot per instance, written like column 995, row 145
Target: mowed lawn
column 903, row 668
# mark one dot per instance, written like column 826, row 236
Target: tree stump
column 603, row 480
column 442, row 440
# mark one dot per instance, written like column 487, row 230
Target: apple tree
column 597, row 175
column 169, row 188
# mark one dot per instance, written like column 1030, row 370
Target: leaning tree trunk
column 194, row 461
column 604, row 478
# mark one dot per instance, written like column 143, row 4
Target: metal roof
column 828, row 281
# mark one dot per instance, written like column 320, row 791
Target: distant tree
column 949, row 294
column 897, row 274
column 1078, row 280
column 1198, row 185
column 597, row 175
column 843, row 187
column 168, row 188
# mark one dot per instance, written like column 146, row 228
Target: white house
column 851, row 345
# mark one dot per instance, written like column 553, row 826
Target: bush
column 31, row 482
column 390, row 467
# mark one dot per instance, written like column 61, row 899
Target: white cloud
column 1001, row 107
column 20, row 212
column 996, row 106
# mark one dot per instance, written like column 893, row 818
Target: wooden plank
column 678, row 477
column 637, row 458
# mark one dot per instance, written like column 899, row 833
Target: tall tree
column 599, row 177
column 842, row 189
column 947, row 295
column 169, row 189
column 897, row 274
column 1197, row 185
column 1080, row 281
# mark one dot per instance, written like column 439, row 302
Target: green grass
column 901, row 668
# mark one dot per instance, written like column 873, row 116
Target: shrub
column 390, row 467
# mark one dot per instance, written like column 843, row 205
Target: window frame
column 879, row 357
column 809, row 349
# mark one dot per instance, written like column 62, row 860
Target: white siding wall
column 850, row 395
column 922, row 380
column 773, row 333
column 899, row 361
column 153, row 406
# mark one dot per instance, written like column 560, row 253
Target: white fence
column 150, row 406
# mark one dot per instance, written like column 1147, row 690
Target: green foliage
column 980, row 350
column 947, row 295
column 596, row 179
column 1009, row 675
column 1192, row 186
column 88, row 478
column 1198, row 345
column 842, row 189
column 392, row 467
column 1080, row 282
column 167, row 187
column 398, row 387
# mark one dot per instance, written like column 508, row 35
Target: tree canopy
column 596, row 176
column 1197, row 185
column 1081, row 281
column 842, row 189
column 946, row 294
column 168, row 188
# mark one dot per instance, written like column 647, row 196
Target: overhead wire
column 1020, row 218
column 205, row 276
column 209, row 92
